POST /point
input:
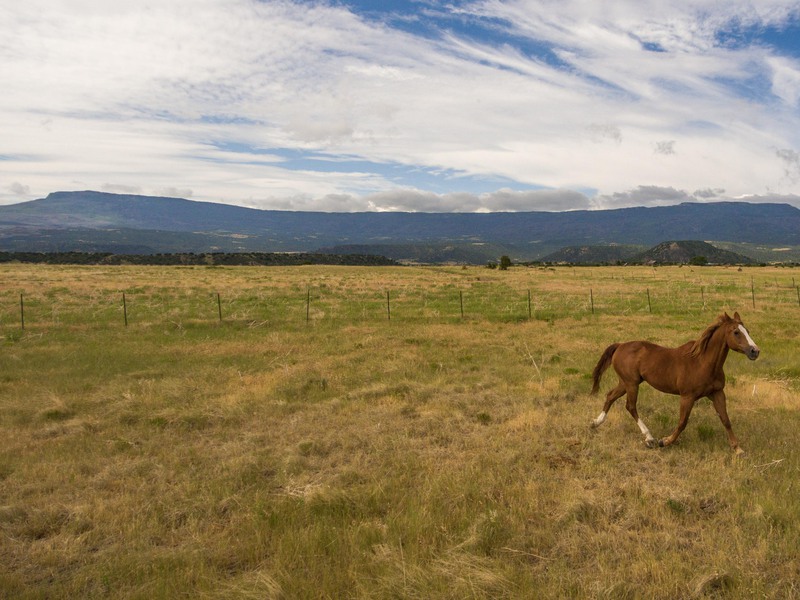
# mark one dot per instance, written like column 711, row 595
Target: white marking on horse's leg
column 750, row 341
column 643, row 428
column 599, row 420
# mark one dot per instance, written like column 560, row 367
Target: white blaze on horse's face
column 753, row 350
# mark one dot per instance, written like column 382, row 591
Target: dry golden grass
column 426, row 456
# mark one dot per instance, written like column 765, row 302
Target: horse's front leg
column 687, row 403
column 720, row 405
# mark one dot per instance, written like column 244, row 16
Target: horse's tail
column 602, row 365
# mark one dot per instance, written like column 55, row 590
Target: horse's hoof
column 651, row 443
column 661, row 443
column 738, row 451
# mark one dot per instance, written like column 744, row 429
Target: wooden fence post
column 22, row 311
column 388, row 307
column 124, row 309
column 649, row 306
column 591, row 299
column 219, row 307
column 530, row 314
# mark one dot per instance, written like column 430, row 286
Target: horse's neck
column 716, row 351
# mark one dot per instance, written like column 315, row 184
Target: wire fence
column 314, row 304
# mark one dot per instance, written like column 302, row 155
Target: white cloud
column 791, row 163
column 644, row 195
column 118, row 188
column 174, row 192
column 409, row 200
column 18, row 189
column 195, row 96
column 665, row 147
column 785, row 79
column 652, row 195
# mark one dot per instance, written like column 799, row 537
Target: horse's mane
column 700, row 344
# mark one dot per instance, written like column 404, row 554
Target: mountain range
column 132, row 224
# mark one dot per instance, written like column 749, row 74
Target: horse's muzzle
column 753, row 352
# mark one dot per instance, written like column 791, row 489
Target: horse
column 692, row 371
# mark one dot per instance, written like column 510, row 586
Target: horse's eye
column 736, row 333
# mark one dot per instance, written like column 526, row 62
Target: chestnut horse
column 692, row 371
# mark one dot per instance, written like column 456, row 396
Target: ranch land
column 386, row 432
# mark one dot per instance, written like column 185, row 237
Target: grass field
column 325, row 440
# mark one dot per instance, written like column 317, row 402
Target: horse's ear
column 727, row 317
column 736, row 316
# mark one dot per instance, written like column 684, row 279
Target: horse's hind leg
column 611, row 397
column 630, row 404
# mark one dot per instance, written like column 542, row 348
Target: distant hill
column 429, row 252
column 684, row 252
column 101, row 222
column 593, row 255
column 762, row 253
column 671, row 252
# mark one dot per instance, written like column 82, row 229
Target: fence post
column 388, row 307
column 219, row 307
column 591, row 299
column 753, row 291
column 461, row 301
column 124, row 309
column 530, row 314
column 22, row 311
column 649, row 306
column 308, row 303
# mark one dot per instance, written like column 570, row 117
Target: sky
column 414, row 105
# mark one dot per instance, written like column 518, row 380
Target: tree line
column 200, row 259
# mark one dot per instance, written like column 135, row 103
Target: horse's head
column 738, row 338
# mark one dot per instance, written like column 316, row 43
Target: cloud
column 644, row 195
column 549, row 200
column 118, row 188
column 554, row 95
column 665, row 147
column 708, row 193
column 600, row 132
column 410, row 200
column 791, row 163
column 651, row 195
column 785, row 79
column 174, row 192
column 18, row 189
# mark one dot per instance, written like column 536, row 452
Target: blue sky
column 350, row 105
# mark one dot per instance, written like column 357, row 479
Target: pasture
column 323, row 439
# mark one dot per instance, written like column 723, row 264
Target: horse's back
column 640, row 360
column 638, row 350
